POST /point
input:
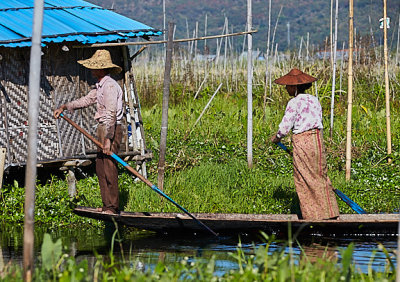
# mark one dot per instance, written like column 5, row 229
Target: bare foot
column 108, row 212
column 99, row 209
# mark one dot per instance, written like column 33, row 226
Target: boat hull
column 350, row 225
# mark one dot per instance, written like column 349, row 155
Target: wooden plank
column 349, row 224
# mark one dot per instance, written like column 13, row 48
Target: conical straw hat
column 101, row 59
column 295, row 77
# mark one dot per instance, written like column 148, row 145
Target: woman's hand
column 275, row 139
column 58, row 111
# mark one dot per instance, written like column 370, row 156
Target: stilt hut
column 69, row 26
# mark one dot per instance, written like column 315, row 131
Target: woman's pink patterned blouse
column 303, row 113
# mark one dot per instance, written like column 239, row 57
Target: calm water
column 145, row 249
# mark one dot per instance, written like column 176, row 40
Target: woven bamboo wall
column 62, row 80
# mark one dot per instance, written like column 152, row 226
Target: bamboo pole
column 249, row 87
column 334, row 68
column 267, row 59
column 387, row 92
column 398, row 43
column 164, row 121
column 201, row 85
column 164, row 19
column 129, row 96
column 349, row 92
column 331, row 33
column 33, row 114
column 162, row 41
column 196, row 35
column 204, row 110
column 188, row 35
column 205, row 34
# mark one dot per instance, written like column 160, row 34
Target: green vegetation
column 262, row 265
column 207, row 164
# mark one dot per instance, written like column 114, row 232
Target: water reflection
column 146, row 249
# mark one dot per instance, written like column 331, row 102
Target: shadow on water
column 147, row 249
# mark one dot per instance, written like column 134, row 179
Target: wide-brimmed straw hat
column 295, row 77
column 101, row 59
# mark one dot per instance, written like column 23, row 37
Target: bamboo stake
column 267, row 58
column 226, row 44
column 349, row 92
column 341, row 69
column 205, row 34
column 276, row 25
column 129, row 96
column 164, row 122
column 196, row 35
column 301, row 44
column 249, row 87
column 187, row 34
column 398, row 43
column 201, row 85
column 307, row 45
column 204, row 110
column 334, row 69
column 33, row 114
column 387, row 92
column 331, row 33
column 164, row 18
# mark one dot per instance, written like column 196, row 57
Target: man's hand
column 107, row 147
column 275, row 139
column 58, row 111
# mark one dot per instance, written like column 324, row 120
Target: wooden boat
column 349, row 225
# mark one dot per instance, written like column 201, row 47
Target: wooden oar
column 137, row 174
column 341, row 195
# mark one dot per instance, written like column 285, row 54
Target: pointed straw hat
column 295, row 77
column 101, row 59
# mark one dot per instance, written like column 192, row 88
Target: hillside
column 304, row 16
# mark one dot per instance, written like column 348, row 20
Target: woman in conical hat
column 108, row 98
column 303, row 116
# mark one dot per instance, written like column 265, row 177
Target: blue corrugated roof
column 66, row 20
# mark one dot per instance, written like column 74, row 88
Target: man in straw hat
column 108, row 98
column 303, row 116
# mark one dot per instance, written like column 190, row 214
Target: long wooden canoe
column 350, row 225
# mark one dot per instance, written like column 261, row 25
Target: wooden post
column 33, row 114
column 349, row 92
column 71, row 180
column 249, row 87
column 387, row 91
column 334, row 69
column 164, row 121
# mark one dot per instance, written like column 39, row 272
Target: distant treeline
column 301, row 18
